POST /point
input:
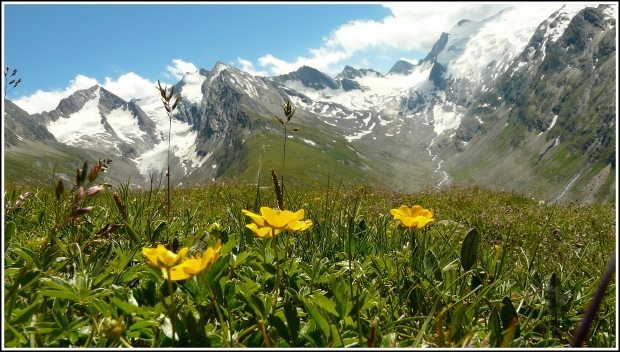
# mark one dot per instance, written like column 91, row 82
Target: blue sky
column 60, row 48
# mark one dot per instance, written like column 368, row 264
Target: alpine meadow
column 465, row 199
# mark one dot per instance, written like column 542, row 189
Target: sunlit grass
column 352, row 279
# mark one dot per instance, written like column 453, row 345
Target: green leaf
column 23, row 315
column 456, row 324
column 100, row 258
column 133, row 236
column 59, row 289
column 41, row 217
column 29, row 278
column 469, row 249
column 241, row 258
column 218, row 269
column 191, row 331
column 61, row 294
column 431, row 267
column 337, row 341
column 318, row 318
column 271, row 269
column 98, row 306
column 144, row 328
column 9, row 231
column 124, row 306
column 156, row 235
column 9, row 340
column 229, row 290
column 325, row 303
column 495, row 329
column 292, row 319
column 259, row 304
column 282, row 330
column 26, row 254
column 340, row 291
column 254, row 303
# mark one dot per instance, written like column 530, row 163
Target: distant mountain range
column 518, row 101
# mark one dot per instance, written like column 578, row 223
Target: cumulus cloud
column 130, row 86
column 248, row 66
column 410, row 26
column 127, row 86
column 180, row 68
column 48, row 100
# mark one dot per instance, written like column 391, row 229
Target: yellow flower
column 180, row 266
column 416, row 216
column 273, row 221
column 193, row 266
column 163, row 258
column 263, row 232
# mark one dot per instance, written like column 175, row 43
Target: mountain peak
column 349, row 73
column 401, row 67
column 438, row 47
column 220, row 65
column 306, row 68
column 309, row 77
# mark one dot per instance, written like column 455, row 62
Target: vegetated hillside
column 19, row 125
column 32, row 156
column 548, row 126
column 313, row 156
column 238, row 135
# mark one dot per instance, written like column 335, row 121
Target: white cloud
column 248, row 66
column 278, row 66
column 411, row 26
column 180, row 68
column 45, row 101
column 127, row 86
column 130, row 86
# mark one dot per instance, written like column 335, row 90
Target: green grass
column 35, row 166
column 350, row 280
column 305, row 164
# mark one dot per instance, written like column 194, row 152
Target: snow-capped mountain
column 550, row 119
column 97, row 119
column 413, row 126
column 463, row 62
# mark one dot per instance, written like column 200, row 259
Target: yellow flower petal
column 258, row 220
column 276, row 218
column 191, row 267
column 263, row 232
column 397, row 213
column 299, row 225
column 299, row 214
column 177, row 273
column 150, row 254
column 163, row 258
column 416, row 210
column 423, row 221
column 416, row 216
column 211, row 254
column 272, row 221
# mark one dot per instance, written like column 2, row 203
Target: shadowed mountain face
column 524, row 101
